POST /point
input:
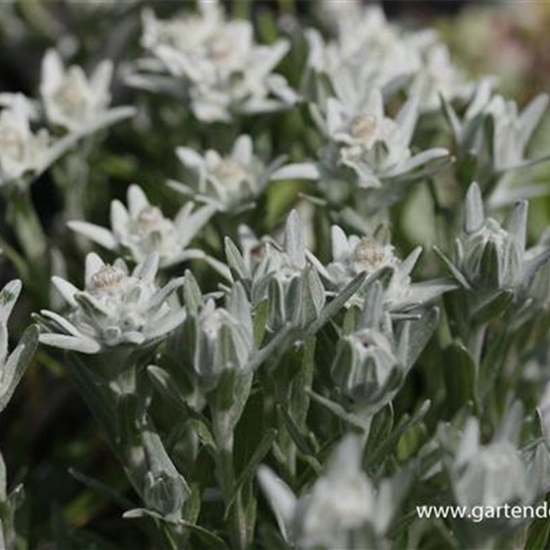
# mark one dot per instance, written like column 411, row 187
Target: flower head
column 493, row 256
column 116, row 307
column 373, row 146
column 141, row 229
column 224, row 71
column 341, row 509
column 71, row 99
column 371, row 255
column 227, row 182
column 22, row 152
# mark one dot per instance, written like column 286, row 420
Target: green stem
column 223, row 435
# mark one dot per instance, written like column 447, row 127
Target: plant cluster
column 275, row 354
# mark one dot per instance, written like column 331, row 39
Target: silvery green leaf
column 452, row 268
column 516, row 223
column 336, row 304
column 451, row 116
column 14, row 368
column 277, row 345
column 167, row 324
column 493, row 307
column 239, row 306
column 8, row 297
column 71, row 343
column 294, row 239
column 165, row 488
column 236, row 261
column 420, row 334
column 192, row 294
column 166, row 386
column 421, row 165
column 474, row 214
column 531, row 116
column 280, row 497
column 373, row 305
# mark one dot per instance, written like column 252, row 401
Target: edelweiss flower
column 141, row 229
column 340, row 510
column 487, row 475
column 353, row 255
column 229, row 183
column 438, row 75
column 513, row 130
column 374, row 146
column 22, row 152
column 500, row 146
column 224, row 70
column 115, row 308
column 74, row 101
column 492, row 256
column 368, row 52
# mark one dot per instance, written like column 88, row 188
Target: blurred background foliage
column 47, row 429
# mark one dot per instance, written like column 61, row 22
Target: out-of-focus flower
column 22, row 151
column 115, row 308
column 230, row 183
column 218, row 62
column 141, row 229
column 75, row 102
column 487, row 475
column 495, row 131
column 24, row 104
column 342, row 509
column 369, row 53
column 436, row 76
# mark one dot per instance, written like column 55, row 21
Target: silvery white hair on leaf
column 75, row 102
column 117, row 307
column 224, row 71
column 140, row 229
